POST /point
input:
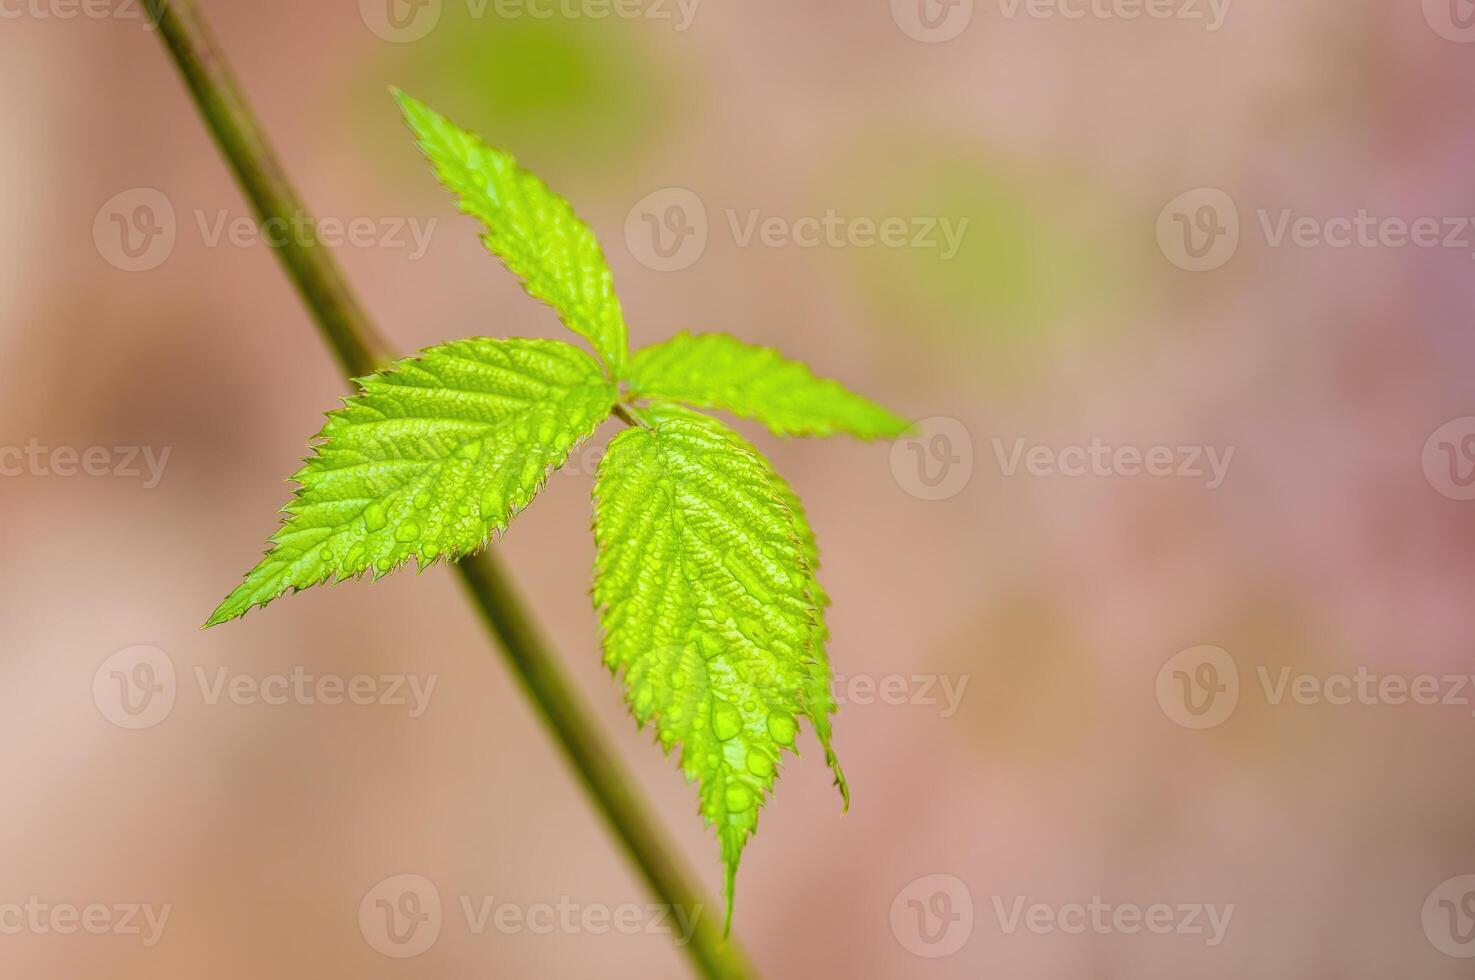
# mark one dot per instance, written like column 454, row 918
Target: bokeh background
column 1092, row 300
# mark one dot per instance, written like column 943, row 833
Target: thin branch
column 348, row 331
column 629, row 416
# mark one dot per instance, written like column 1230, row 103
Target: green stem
column 348, row 331
column 629, row 416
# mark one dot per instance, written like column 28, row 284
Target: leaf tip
column 217, row 617
column 841, row 783
column 413, row 110
column 729, row 889
column 900, row 427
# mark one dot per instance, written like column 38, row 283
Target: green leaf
column 531, row 229
column 716, row 370
column 434, row 455
column 819, row 685
column 707, row 600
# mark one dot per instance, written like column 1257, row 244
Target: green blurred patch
column 1035, row 682
column 591, row 92
column 1026, row 271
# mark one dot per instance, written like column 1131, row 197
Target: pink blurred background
column 1004, row 634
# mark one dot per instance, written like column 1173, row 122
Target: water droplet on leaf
column 738, row 798
column 726, row 722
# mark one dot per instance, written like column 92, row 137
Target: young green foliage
column 705, row 576
column 707, row 602
column 817, row 687
column 531, row 229
column 428, row 460
column 715, row 370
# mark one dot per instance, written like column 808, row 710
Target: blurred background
column 1153, row 647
